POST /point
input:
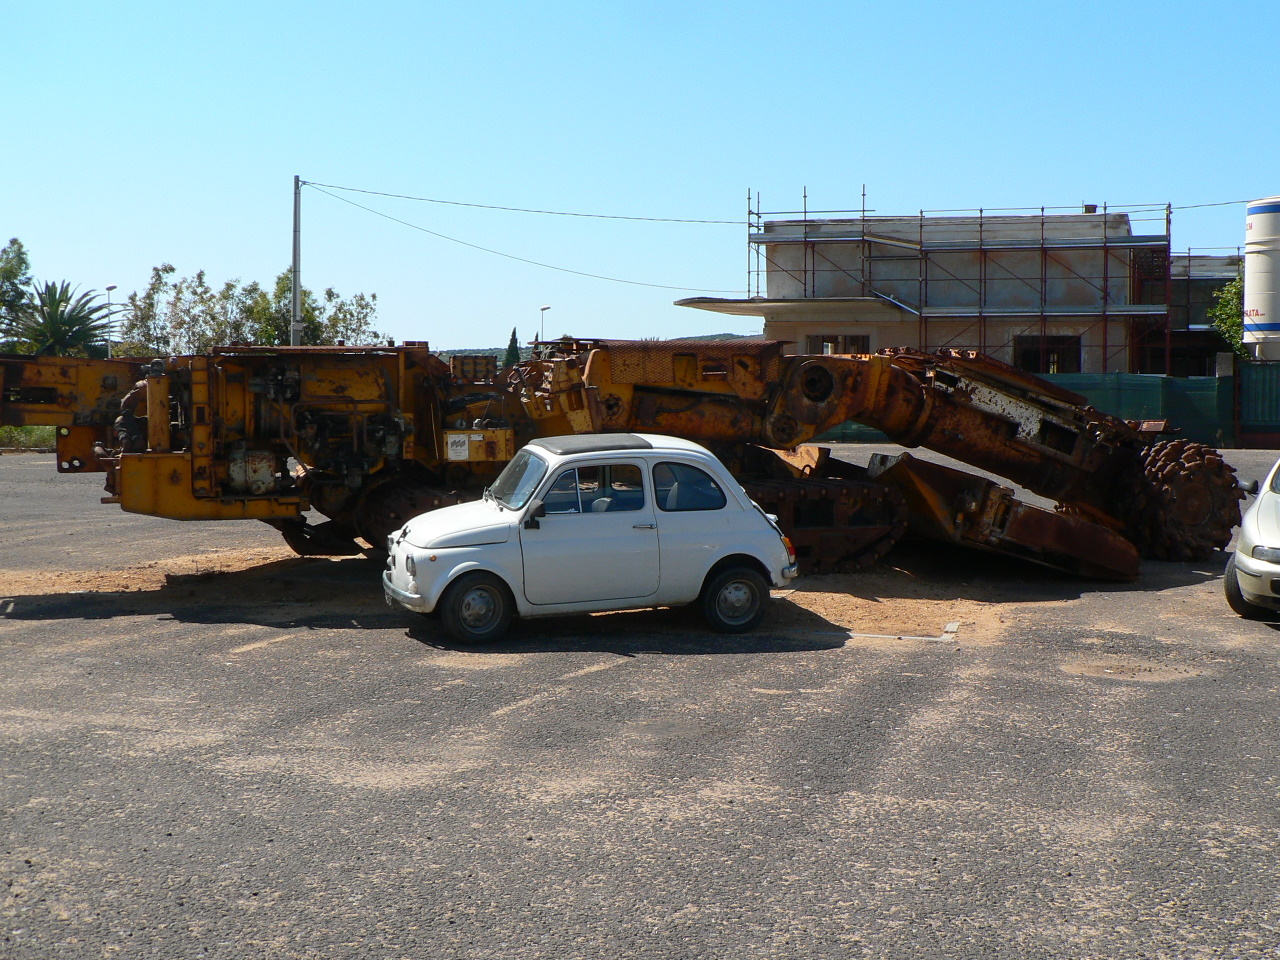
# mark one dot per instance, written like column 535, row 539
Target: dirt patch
column 888, row 601
column 170, row 572
column 1130, row 669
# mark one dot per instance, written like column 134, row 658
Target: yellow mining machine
column 369, row 436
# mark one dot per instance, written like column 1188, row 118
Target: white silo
column 1262, row 278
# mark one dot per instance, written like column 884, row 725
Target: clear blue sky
column 146, row 132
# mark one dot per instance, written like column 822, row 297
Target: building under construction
column 1089, row 291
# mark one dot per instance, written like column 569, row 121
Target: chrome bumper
column 397, row 597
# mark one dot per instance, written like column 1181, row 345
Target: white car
column 1252, row 577
column 580, row 524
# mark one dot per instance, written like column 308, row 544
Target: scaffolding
column 976, row 284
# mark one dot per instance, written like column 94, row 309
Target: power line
column 1224, row 203
column 509, row 256
column 550, row 213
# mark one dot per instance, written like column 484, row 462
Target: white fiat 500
column 580, row 524
column 1252, row 578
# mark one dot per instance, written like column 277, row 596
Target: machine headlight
column 1267, row 554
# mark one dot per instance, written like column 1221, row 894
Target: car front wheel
column 1235, row 597
column 735, row 600
column 477, row 608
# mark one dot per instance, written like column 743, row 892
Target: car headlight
column 1267, row 554
column 410, row 565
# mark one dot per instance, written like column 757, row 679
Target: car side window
column 679, row 487
column 562, row 496
column 607, row 488
column 623, row 489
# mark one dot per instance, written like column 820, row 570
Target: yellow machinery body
column 369, row 436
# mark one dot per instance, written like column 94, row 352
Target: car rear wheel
column 1235, row 597
column 476, row 608
column 735, row 600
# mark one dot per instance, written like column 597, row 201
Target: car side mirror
column 537, row 510
column 1250, row 487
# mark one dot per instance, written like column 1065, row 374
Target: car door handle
column 644, row 526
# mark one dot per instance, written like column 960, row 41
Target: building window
column 1047, row 354
column 835, row 343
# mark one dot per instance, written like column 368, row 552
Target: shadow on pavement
column 917, row 568
column 298, row 592
column 673, row 631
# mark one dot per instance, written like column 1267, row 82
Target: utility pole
column 295, row 326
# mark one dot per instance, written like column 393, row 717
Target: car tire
column 476, row 608
column 735, row 600
column 1235, row 597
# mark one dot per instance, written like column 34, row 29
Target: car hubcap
column 479, row 608
column 735, row 601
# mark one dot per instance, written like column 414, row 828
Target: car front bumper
column 1259, row 580
column 402, row 598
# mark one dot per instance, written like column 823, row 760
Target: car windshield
column 515, row 484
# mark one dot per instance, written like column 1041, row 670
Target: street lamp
column 543, row 324
column 111, row 319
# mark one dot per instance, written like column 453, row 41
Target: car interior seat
column 673, row 497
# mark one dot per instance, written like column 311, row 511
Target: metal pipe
column 295, row 325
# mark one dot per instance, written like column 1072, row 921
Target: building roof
column 760, row 306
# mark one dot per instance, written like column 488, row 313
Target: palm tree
column 56, row 321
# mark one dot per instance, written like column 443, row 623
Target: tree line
column 171, row 316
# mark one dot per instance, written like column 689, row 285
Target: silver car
column 1252, row 578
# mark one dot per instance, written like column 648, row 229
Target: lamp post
column 542, row 326
column 111, row 319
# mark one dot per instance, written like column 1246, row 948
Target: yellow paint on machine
column 159, row 485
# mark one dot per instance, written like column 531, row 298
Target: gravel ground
column 222, row 750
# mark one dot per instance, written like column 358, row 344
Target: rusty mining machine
column 369, row 436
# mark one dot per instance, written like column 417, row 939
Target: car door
column 694, row 517
column 598, row 540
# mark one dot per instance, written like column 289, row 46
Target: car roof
column 610, row 442
column 591, row 443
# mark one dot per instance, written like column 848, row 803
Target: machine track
column 835, row 525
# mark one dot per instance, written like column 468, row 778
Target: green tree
column 15, row 276
column 55, row 320
column 1227, row 315
column 513, row 351
column 350, row 321
column 184, row 315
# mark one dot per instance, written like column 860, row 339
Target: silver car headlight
column 409, row 565
column 1266, row 554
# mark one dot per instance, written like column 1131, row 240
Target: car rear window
column 679, row 487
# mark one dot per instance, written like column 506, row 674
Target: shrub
column 26, row 437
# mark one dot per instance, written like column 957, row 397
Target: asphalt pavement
column 208, row 758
